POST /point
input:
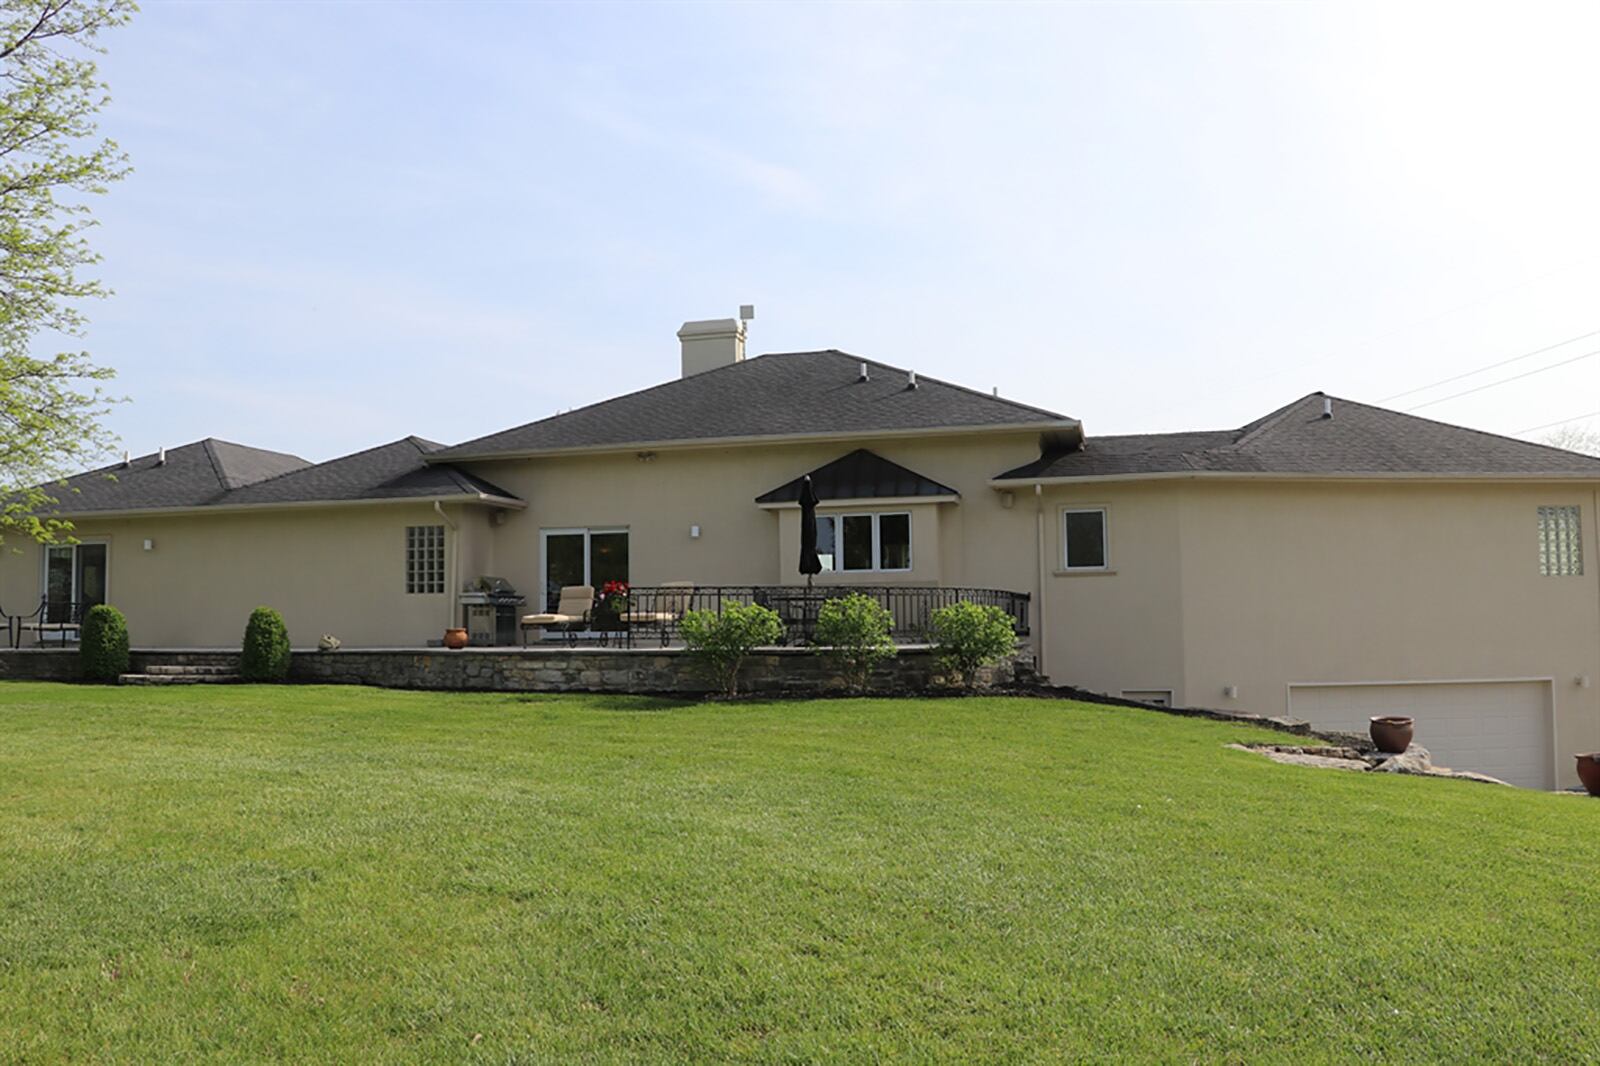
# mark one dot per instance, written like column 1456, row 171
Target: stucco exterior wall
column 657, row 499
column 1288, row 583
column 328, row 570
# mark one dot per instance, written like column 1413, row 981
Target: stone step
column 176, row 679
column 189, row 671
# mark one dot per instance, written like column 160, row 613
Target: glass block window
column 425, row 559
column 1560, row 541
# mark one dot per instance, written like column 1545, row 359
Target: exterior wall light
column 694, row 532
column 149, row 545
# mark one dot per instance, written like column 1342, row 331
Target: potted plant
column 455, row 639
column 1391, row 733
column 1589, row 772
column 614, row 597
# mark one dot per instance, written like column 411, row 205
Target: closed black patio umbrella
column 809, row 563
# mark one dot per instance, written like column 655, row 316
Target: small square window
column 1083, row 539
column 1560, row 541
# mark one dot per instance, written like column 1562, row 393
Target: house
column 1329, row 561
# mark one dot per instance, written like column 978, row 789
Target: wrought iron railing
column 652, row 611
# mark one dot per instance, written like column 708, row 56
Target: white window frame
column 1105, row 537
column 1560, row 545
column 426, row 574
column 44, row 566
column 588, row 533
column 877, row 566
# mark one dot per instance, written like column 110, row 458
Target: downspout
column 1038, row 498
column 451, row 565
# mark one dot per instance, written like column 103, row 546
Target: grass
column 341, row 875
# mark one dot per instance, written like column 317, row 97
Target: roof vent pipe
column 161, row 456
column 127, row 459
column 911, row 379
column 1327, row 407
column 863, row 376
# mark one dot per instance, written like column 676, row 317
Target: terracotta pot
column 1589, row 772
column 455, row 639
column 1391, row 733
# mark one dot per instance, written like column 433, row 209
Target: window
column 864, row 542
column 74, row 580
column 425, row 559
column 582, row 557
column 1560, row 541
column 1083, row 538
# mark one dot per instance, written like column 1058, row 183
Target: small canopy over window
column 861, row 475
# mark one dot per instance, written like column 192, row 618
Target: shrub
column 266, row 647
column 855, row 630
column 103, row 644
column 720, row 642
column 968, row 636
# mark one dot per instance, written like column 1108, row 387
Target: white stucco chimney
column 710, row 344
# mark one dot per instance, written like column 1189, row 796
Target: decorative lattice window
column 1560, row 541
column 425, row 559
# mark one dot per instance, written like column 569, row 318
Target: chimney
column 710, row 344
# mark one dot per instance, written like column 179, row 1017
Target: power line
column 1504, row 381
column 1492, row 366
column 1564, row 421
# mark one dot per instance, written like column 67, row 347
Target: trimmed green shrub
column 721, row 642
column 103, row 644
column 266, row 647
column 968, row 636
column 855, row 630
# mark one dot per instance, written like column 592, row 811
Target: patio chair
column 572, row 610
column 671, row 603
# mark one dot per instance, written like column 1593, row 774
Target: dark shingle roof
column 218, row 474
column 192, row 476
column 861, row 475
column 387, row 472
column 1359, row 439
column 770, row 395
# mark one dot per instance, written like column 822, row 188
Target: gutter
column 452, row 566
column 623, row 447
column 484, row 498
column 1038, row 497
column 1220, row 475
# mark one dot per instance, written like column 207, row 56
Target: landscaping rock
column 1414, row 760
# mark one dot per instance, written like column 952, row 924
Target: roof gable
column 390, row 471
column 775, row 395
column 1357, row 440
column 860, row 475
column 192, row 475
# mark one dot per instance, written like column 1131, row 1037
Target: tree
column 51, row 406
column 1574, row 439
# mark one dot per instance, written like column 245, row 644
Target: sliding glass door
column 74, row 580
column 582, row 557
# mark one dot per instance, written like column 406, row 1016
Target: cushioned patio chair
column 572, row 611
column 669, row 606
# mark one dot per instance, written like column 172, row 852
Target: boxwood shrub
column 103, row 644
column 266, row 647
column 968, row 636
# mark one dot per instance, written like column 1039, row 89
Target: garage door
column 1500, row 728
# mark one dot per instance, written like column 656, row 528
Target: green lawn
column 349, row 875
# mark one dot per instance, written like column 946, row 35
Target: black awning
column 861, row 475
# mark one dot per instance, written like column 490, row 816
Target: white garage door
column 1500, row 728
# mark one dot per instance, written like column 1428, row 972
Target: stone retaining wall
column 773, row 671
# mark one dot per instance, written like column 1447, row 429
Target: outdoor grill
column 490, row 609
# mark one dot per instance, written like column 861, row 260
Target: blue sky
column 353, row 222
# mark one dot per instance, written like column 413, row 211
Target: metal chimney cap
column 747, row 312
